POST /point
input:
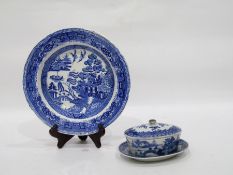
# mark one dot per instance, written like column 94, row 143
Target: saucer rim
column 154, row 157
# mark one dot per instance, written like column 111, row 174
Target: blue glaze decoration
column 143, row 147
column 76, row 79
column 157, row 130
column 181, row 146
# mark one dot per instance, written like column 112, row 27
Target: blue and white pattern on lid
column 152, row 129
column 76, row 79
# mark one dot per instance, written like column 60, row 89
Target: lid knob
column 152, row 121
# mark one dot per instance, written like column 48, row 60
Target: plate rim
column 110, row 44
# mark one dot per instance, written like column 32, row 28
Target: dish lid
column 152, row 129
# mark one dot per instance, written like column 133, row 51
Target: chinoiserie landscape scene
column 80, row 82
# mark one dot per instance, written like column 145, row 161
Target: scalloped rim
column 99, row 36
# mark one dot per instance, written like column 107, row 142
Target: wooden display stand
column 63, row 138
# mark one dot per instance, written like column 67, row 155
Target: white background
column 180, row 58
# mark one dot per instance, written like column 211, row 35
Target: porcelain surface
column 152, row 130
column 76, row 79
column 153, row 147
column 154, row 138
column 124, row 150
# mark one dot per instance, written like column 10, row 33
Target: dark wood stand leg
column 63, row 138
column 82, row 138
column 96, row 137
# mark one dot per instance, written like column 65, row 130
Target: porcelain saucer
column 124, row 150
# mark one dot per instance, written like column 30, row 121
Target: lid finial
column 152, row 121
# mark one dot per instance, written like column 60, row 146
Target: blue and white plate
column 76, row 79
column 124, row 150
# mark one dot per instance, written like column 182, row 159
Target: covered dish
column 152, row 139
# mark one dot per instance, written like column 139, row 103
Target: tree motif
column 60, row 87
column 85, row 84
column 91, row 77
column 169, row 145
column 52, row 90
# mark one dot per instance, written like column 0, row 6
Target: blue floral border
column 100, row 43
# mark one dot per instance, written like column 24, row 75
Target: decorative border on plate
column 100, row 43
